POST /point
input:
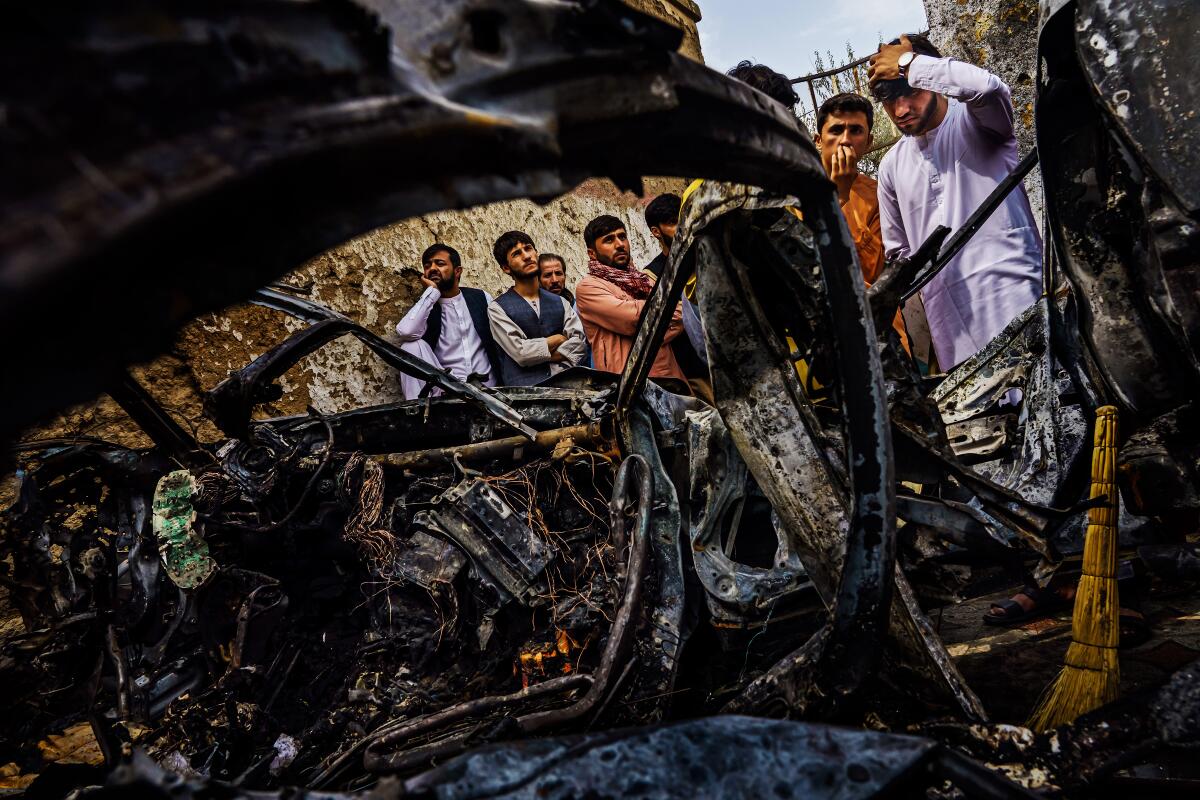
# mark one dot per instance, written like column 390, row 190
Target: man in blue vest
column 537, row 333
column 448, row 326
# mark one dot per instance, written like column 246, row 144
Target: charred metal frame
column 473, row 84
column 452, row 83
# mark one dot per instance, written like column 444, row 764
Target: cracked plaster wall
column 373, row 279
column 1000, row 36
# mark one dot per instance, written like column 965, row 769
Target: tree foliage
column 845, row 78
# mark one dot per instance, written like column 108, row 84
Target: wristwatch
column 903, row 61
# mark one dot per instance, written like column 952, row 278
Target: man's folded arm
column 676, row 326
column 512, row 340
column 574, row 348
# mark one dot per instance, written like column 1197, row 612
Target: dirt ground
column 1009, row 667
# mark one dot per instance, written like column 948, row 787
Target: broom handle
column 1091, row 674
column 1100, row 544
column 1102, row 561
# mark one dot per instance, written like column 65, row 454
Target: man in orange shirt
column 844, row 136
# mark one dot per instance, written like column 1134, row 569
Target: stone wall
column 373, row 279
column 1000, row 36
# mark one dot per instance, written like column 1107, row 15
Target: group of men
column 538, row 327
column 958, row 144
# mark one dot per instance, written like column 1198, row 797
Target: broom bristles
column 1091, row 676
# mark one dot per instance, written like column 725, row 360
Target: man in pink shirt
column 610, row 299
column 958, row 144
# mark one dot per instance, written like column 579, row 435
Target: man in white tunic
column 958, row 144
column 448, row 325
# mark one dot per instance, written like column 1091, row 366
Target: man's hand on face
column 843, row 170
column 430, row 282
column 884, row 66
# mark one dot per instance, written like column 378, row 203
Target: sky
column 783, row 34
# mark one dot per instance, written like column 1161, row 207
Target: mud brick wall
column 373, row 279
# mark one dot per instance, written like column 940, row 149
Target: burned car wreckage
column 590, row 586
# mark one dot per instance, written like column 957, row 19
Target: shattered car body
column 321, row 600
column 1126, row 216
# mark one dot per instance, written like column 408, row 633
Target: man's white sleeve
column 987, row 98
column 416, row 321
column 891, row 225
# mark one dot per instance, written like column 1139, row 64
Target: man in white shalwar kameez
column 958, row 144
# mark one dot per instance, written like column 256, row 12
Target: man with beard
column 958, row 144
column 610, row 299
column 537, row 333
column 552, row 273
column 448, row 325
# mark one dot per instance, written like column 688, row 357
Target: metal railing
column 831, row 81
column 833, row 74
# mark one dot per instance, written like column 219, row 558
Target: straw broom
column 1092, row 674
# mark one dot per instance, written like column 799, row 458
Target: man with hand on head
column 610, row 299
column 448, row 325
column 537, row 333
column 843, row 137
column 958, row 145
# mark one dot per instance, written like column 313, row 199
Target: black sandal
column 1045, row 602
column 1135, row 629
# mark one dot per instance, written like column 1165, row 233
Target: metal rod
column 513, row 447
column 152, row 418
column 969, row 228
column 374, row 760
column 842, row 68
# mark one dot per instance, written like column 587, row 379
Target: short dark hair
column 663, row 209
column 900, row 87
column 507, row 241
column 602, row 225
column 766, row 80
column 545, row 258
column 846, row 103
column 434, row 249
